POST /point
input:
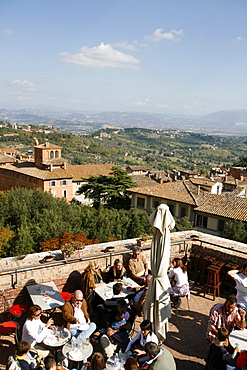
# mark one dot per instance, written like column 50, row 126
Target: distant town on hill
column 226, row 122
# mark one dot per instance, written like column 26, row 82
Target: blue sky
column 163, row 56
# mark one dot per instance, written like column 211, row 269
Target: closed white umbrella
column 157, row 306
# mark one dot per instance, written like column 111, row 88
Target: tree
column 242, row 162
column 183, row 224
column 109, row 190
column 235, row 230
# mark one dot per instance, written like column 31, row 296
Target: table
column 106, row 291
column 110, row 363
column 240, row 337
column 45, row 295
column 86, row 352
column 61, row 340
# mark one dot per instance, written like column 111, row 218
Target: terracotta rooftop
column 183, row 191
column 87, row 170
column 30, row 169
column 230, row 206
column 203, row 181
column 48, row 145
column 143, row 180
column 6, row 159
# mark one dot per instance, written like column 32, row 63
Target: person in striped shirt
column 226, row 315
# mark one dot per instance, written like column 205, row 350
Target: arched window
column 51, row 154
column 56, row 154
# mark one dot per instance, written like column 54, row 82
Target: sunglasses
column 37, row 315
column 78, row 300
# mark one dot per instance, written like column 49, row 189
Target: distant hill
column 227, row 122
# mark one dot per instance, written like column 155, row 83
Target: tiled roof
column 137, row 168
column 183, row 191
column 29, row 169
column 48, row 145
column 87, row 170
column 203, row 181
column 6, row 159
column 143, row 180
column 225, row 206
column 54, row 161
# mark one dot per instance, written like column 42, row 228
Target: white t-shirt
column 34, row 331
column 241, row 280
column 79, row 315
column 180, row 277
column 151, row 337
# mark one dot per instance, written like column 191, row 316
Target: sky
column 157, row 56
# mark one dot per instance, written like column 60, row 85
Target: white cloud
column 8, row 31
column 24, row 83
column 162, row 105
column 24, row 98
column 140, row 103
column 159, row 35
column 101, row 56
column 124, row 45
column 240, row 38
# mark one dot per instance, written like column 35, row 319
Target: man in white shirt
column 76, row 316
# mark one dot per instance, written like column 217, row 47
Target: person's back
column 160, row 358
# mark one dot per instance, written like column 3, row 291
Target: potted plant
column 144, row 239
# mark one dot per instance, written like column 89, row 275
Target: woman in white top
column 178, row 273
column 240, row 278
column 34, row 330
column 145, row 335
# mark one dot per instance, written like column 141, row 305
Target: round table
column 239, row 337
column 64, row 337
column 86, row 351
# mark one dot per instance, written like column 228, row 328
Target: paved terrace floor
column 185, row 340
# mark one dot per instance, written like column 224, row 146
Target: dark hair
column 151, row 349
column 231, row 298
column 244, row 266
column 179, row 263
column 22, row 347
column 136, row 248
column 97, row 361
column 49, row 362
column 146, row 325
column 117, row 261
column 223, row 334
column 131, row 364
column 32, row 311
column 121, row 303
column 117, row 288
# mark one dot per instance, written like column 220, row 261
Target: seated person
column 24, row 358
column 117, row 294
column 138, row 267
column 159, row 358
column 50, row 363
column 131, row 364
column 121, row 319
column 109, row 342
column 34, row 330
column 76, row 316
column 225, row 314
column 140, row 297
column 218, row 356
column 178, row 273
column 97, row 362
column 117, row 271
column 145, row 335
column 91, row 278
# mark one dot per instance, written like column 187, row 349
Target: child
column 218, row 356
column 26, row 359
column 131, row 364
column 121, row 320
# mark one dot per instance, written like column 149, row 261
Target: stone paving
column 185, row 339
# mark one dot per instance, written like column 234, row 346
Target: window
column 23, row 178
column 65, row 193
column 78, row 183
column 3, row 172
column 3, row 182
column 183, row 211
column 34, row 181
column 10, row 183
column 202, row 221
column 64, row 182
column 17, row 175
column 51, row 154
column 56, row 154
column 171, row 208
column 140, row 202
column 29, row 180
column 156, row 203
column 52, row 183
column 221, row 225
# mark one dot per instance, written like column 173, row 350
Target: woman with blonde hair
column 91, row 277
column 178, row 273
column 117, row 271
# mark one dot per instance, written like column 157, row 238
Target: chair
column 17, row 311
column 66, row 296
column 213, row 281
column 9, row 327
